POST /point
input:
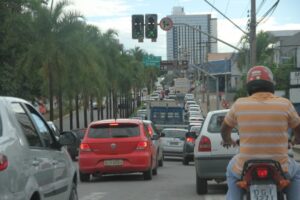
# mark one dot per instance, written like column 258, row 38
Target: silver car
column 173, row 141
column 33, row 163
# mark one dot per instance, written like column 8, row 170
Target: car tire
column 185, row 161
column 161, row 162
column 84, row 177
column 73, row 194
column 154, row 171
column 201, row 185
column 148, row 174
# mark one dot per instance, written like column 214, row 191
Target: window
column 216, row 122
column 28, row 128
column 41, row 126
column 111, row 131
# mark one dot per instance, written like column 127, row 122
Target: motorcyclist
column 263, row 120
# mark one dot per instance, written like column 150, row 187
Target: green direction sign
column 152, row 61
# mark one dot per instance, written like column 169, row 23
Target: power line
column 227, row 6
column 269, row 12
column 260, row 6
column 226, row 17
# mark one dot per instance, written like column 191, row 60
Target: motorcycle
column 263, row 180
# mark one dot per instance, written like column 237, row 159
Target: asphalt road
column 173, row 182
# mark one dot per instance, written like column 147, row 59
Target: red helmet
column 260, row 73
column 260, row 79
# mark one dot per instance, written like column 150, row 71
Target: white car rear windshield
column 215, row 123
column 174, row 133
column 114, row 130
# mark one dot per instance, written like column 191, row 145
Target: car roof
column 107, row 121
column 12, row 99
column 175, row 129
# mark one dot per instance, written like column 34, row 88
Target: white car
column 173, row 140
column 188, row 103
column 211, row 158
column 189, row 96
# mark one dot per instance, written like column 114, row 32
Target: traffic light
column 151, row 26
column 137, row 24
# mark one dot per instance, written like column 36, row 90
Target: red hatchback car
column 117, row 146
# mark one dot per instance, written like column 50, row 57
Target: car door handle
column 36, row 163
column 55, row 162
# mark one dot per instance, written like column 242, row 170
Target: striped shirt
column 263, row 120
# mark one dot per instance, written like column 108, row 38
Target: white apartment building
column 186, row 43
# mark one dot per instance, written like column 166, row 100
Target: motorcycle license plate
column 263, row 192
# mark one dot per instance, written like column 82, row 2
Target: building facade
column 286, row 46
column 186, row 43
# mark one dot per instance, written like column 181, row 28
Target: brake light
column 114, row 124
column 190, row 139
column 85, row 147
column 3, row 162
column 142, row 145
column 204, row 144
column 150, row 130
column 262, row 172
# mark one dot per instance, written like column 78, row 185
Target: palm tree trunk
column 77, row 110
column 51, row 92
column 71, row 112
column 91, row 109
column 85, row 110
column 60, row 108
column 107, row 106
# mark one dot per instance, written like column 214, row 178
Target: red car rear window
column 114, row 131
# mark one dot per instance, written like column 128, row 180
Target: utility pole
column 253, row 34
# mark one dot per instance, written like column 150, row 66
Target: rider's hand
column 228, row 144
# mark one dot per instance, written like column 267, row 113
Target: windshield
column 174, row 133
column 110, row 131
column 215, row 123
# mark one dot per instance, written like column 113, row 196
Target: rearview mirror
column 67, row 138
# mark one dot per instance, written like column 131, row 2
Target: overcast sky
column 116, row 14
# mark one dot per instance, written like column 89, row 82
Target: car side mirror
column 67, row 138
column 155, row 137
column 191, row 135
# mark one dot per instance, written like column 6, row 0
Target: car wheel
column 154, row 171
column 148, row 174
column 161, row 162
column 201, row 185
column 185, row 161
column 73, row 195
column 84, row 177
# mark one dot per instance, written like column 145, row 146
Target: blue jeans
column 292, row 191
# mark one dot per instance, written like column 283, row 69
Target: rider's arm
column 296, row 132
column 226, row 132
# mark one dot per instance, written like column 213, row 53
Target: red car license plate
column 113, row 162
column 263, row 192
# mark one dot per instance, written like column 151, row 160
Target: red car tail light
column 3, row 162
column 142, row 145
column 114, row 124
column 204, row 144
column 262, row 172
column 190, row 139
column 85, row 147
